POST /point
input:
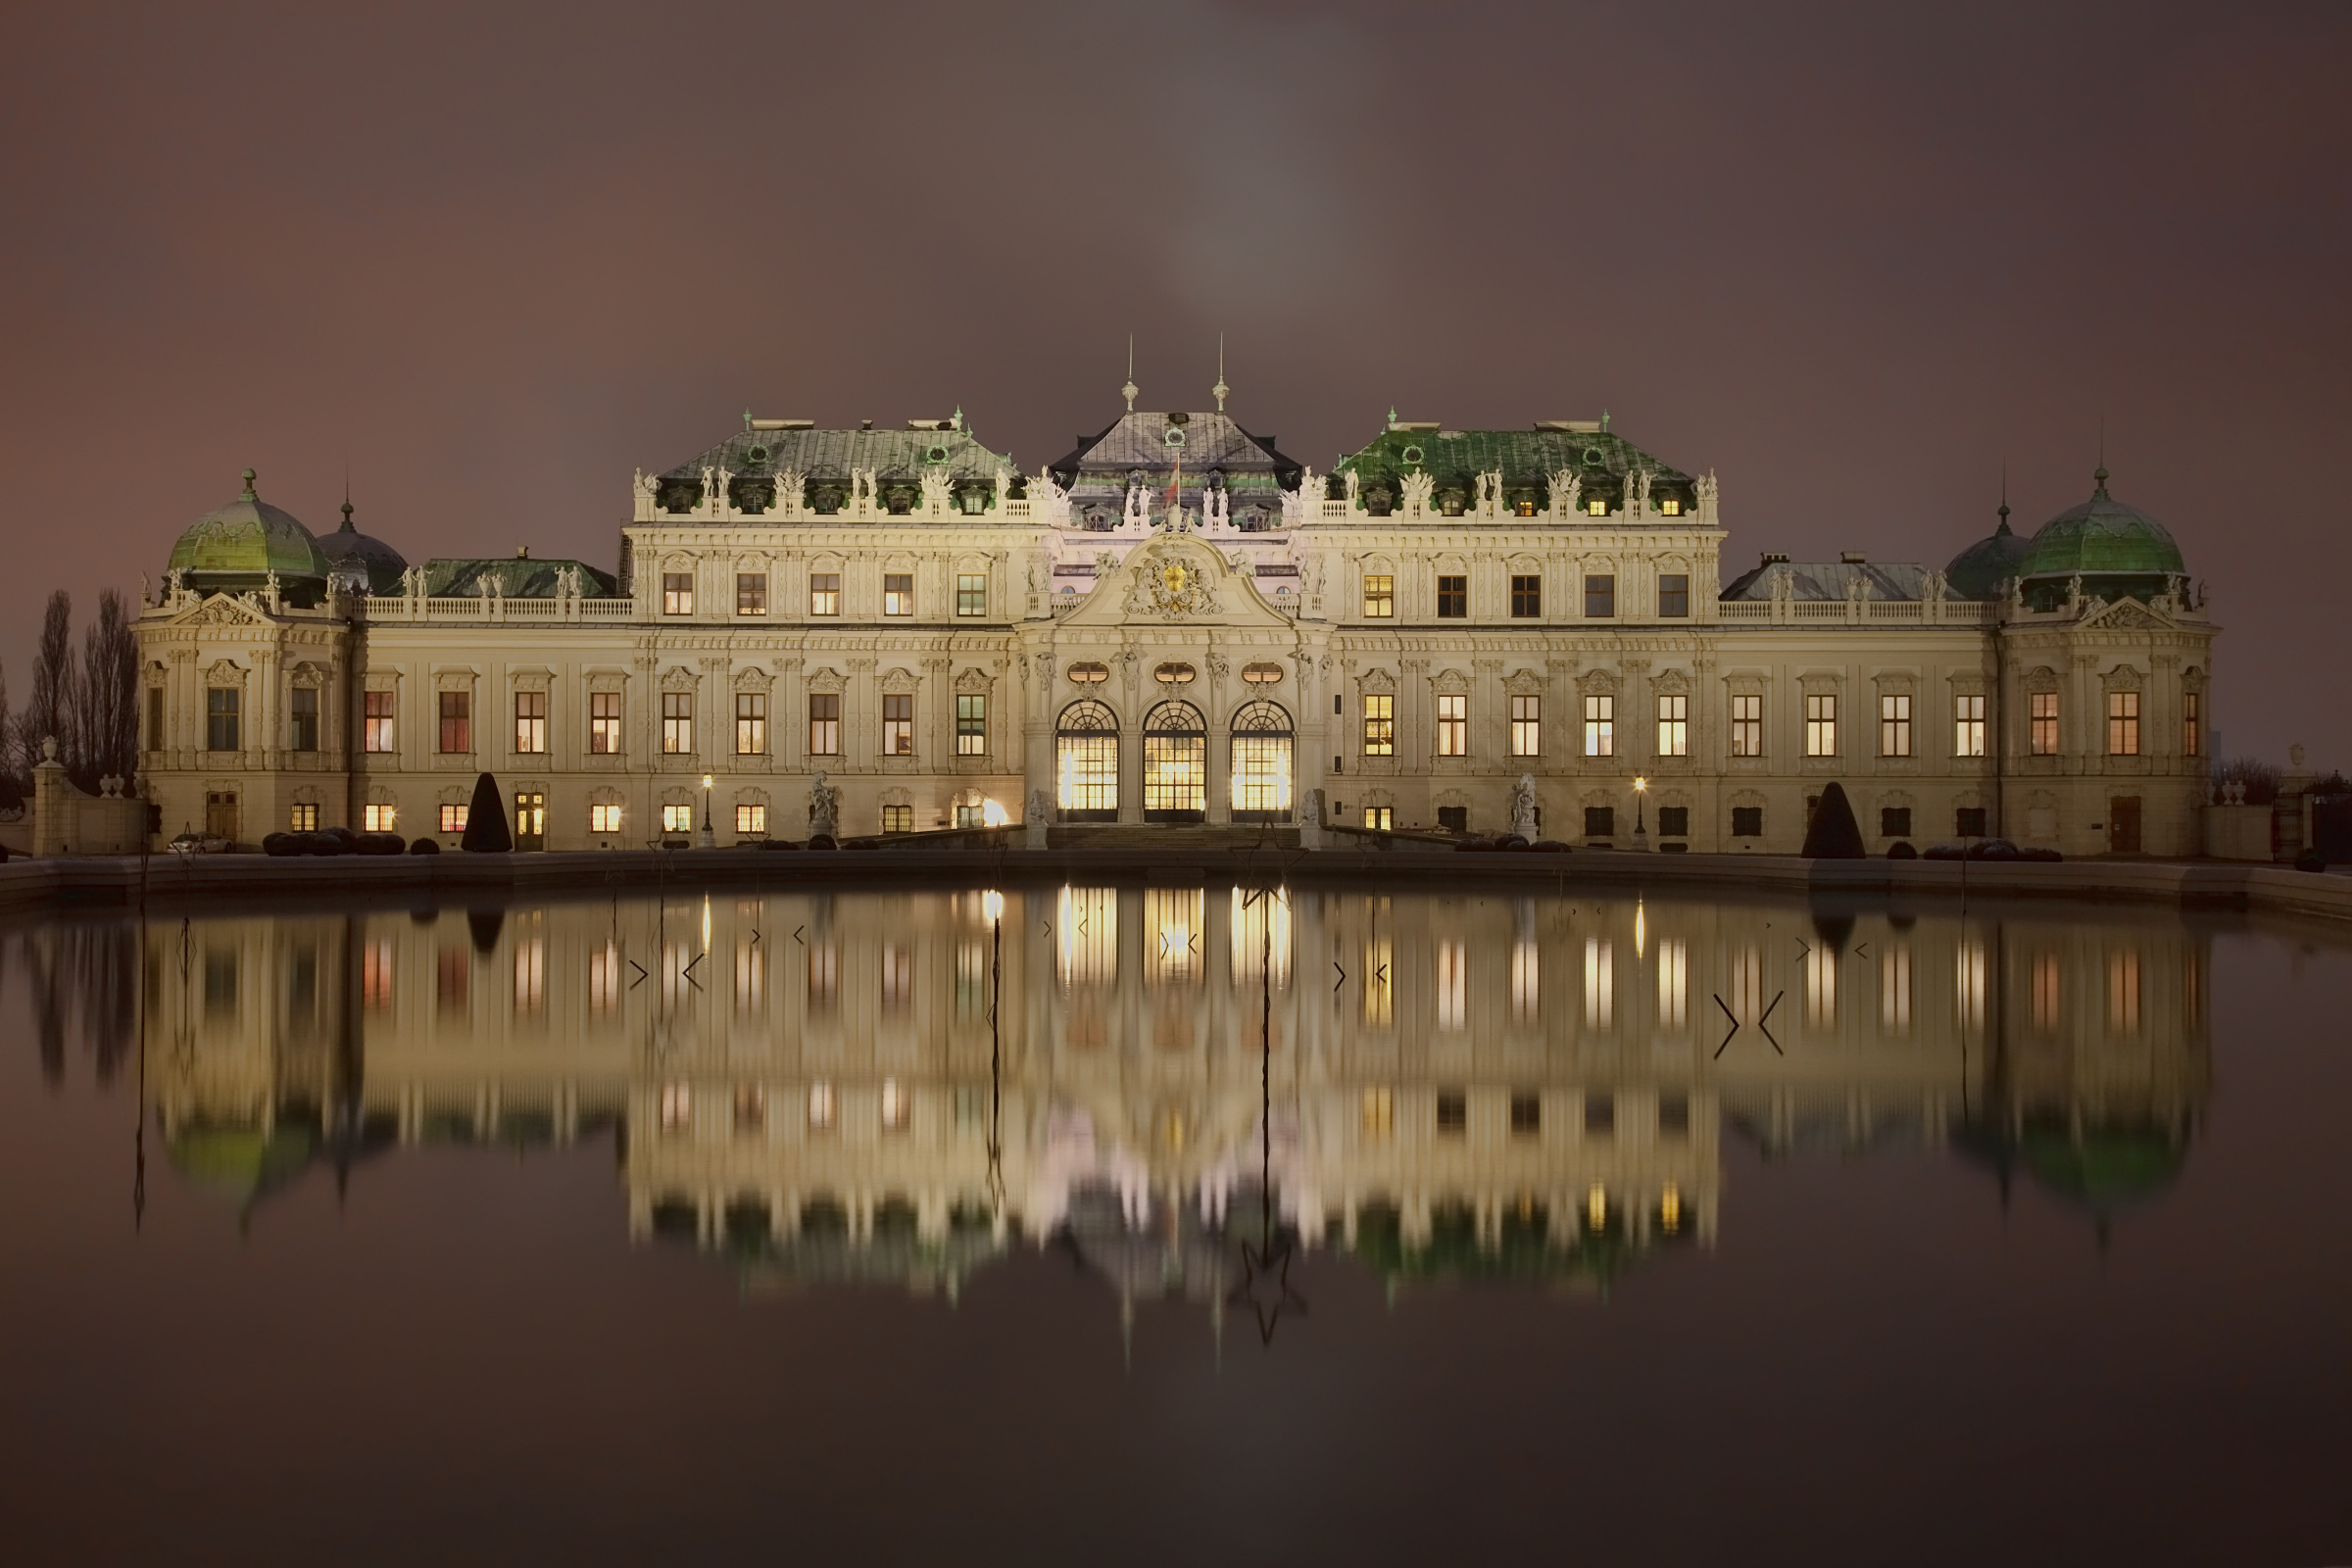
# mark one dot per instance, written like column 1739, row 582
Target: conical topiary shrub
column 486, row 820
column 1834, row 834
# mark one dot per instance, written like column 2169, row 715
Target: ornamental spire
column 1220, row 391
column 1128, row 391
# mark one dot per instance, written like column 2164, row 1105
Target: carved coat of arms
column 1177, row 587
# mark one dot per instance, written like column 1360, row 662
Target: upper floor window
column 221, row 730
column 898, row 724
column 377, row 736
column 2042, row 717
column 677, row 593
column 972, row 593
column 1600, row 597
column 1894, row 725
column 1454, row 725
column 677, row 723
column 1674, row 596
column 1453, row 597
column 304, row 719
column 898, row 593
column 1380, row 596
column 604, row 723
column 1747, row 726
column 751, row 723
column 824, row 593
column 1526, row 726
column 1968, row 725
column 457, row 721
column 971, row 725
column 154, row 718
column 1601, row 726
column 751, row 593
column 530, row 721
column 1380, row 724
column 1673, row 725
column 2191, row 709
column 824, row 724
column 1526, row 597
column 1821, row 726
column 2122, row 723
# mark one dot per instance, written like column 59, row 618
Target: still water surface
column 1173, row 1223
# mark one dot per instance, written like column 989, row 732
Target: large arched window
column 1175, row 764
column 1262, row 744
column 1086, row 762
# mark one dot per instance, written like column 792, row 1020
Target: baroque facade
column 1174, row 624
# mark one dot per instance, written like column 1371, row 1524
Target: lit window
column 305, row 817
column 1600, row 597
column 1526, row 726
column 1380, row 596
column 677, row 593
column 1601, row 726
column 1596, row 506
column 457, row 721
column 1820, row 726
column 1453, row 597
column 530, row 721
column 750, row 819
column 1380, row 724
column 898, row 724
column 971, row 725
column 2122, row 723
column 1526, row 597
column 1674, row 726
column 2191, row 741
column 677, row 723
column 1670, row 507
column 898, row 819
column 603, row 818
column 1674, row 596
column 824, row 593
column 677, row 820
column 221, row 726
column 898, row 593
column 377, row 818
column 2042, row 719
column 1262, row 674
column 1747, row 726
column 1968, row 725
column 1379, row 818
column 304, row 717
column 972, row 593
column 1894, row 725
column 824, row 724
column 751, row 593
column 604, row 723
column 1454, row 725
column 453, row 817
column 751, row 723
column 1086, row 673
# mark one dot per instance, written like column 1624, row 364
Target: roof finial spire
column 2004, row 527
column 1220, row 390
column 347, row 528
column 1128, row 391
column 250, row 493
column 2100, row 473
column 1604, row 418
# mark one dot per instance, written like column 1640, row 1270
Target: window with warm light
column 824, row 724
column 677, row 593
column 1526, row 726
column 1380, row 818
column 2193, row 739
column 2042, row 723
column 1380, row 596
column 824, row 593
column 1673, row 725
column 377, row 818
column 677, row 819
column 2122, row 723
column 604, row 723
column 1596, row 506
column 1454, row 725
column 750, row 819
column 1894, row 725
column 971, row 725
column 1968, row 725
column 1600, row 726
column 1747, row 726
column 305, row 817
column 457, row 721
column 530, row 722
column 1821, row 726
column 1670, row 507
column 972, row 593
column 898, row 724
column 898, row 818
column 751, row 723
column 1380, row 724
column 453, row 817
column 751, row 593
column 603, row 818
column 677, row 723
column 898, row 593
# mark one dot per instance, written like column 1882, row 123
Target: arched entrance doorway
column 1175, row 765
column 1086, row 762
column 1262, row 746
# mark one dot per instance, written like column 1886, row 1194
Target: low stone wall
column 2238, row 832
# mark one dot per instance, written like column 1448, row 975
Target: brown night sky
column 1853, row 257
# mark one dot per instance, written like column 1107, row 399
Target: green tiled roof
column 247, row 537
column 2102, row 537
column 1527, row 458
column 511, row 576
column 826, row 458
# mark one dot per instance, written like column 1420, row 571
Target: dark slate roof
column 1829, row 579
column 515, row 578
column 382, row 563
column 1528, row 460
column 1981, row 568
column 1212, row 442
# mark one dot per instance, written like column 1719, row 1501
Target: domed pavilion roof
column 236, row 546
column 2102, row 537
column 348, row 546
column 1976, row 571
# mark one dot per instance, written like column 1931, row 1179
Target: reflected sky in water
column 1174, row 1220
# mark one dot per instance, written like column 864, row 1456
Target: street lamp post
column 705, row 841
column 1641, row 817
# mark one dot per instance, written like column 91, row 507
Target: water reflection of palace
column 1459, row 1087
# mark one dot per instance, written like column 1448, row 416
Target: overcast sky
column 1855, row 259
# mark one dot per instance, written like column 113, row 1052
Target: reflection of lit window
column 1670, row 1209
column 971, row 983
column 824, row 976
column 1527, row 1114
column 1600, row 984
column 604, row 979
column 896, row 1107
column 1172, row 919
column 2044, row 992
column 1454, row 986
column 1969, row 985
column 1086, row 934
column 820, row 1106
column 677, row 1106
column 751, row 976
column 1821, row 987
column 1597, row 1206
column 449, row 979
column 1380, row 1112
column 1261, row 929
column 1525, row 981
column 1894, row 990
column 750, row 1109
column 375, row 975
column 530, row 975
column 2123, row 991
column 898, row 979
column 1379, row 981
column 1747, row 984
column 1674, row 983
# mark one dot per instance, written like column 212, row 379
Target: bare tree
column 105, row 720
column 12, row 787
column 51, row 708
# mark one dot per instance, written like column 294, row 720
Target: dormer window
column 1670, row 508
column 1526, row 507
column 1597, row 507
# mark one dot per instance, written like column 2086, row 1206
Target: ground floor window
column 452, row 819
column 1747, row 822
column 677, row 820
column 750, row 819
column 1379, row 818
column 305, row 817
column 898, row 819
column 1086, row 762
column 604, row 819
column 377, row 818
column 1262, row 744
column 1175, row 765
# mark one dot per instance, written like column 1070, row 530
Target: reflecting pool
column 1171, row 1221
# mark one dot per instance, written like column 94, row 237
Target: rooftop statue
column 1566, row 491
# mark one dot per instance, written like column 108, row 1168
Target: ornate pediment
column 1671, row 683
column 2123, row 678
column 224, row 673
column 897, row 680
column 1450, row 681
column 972, row 679
column 1597, row 683
column 1522, row 683
column 2125, row 614
column 1174, row 579
column 752, row 678
column 677, row 678
column 222, row 610
column 825, row 680
column 1379, row 681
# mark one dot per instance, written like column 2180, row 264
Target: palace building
column 896, row 631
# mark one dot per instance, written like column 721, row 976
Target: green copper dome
column 2114, row 549
column 237, row 546
column 1981, row 568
